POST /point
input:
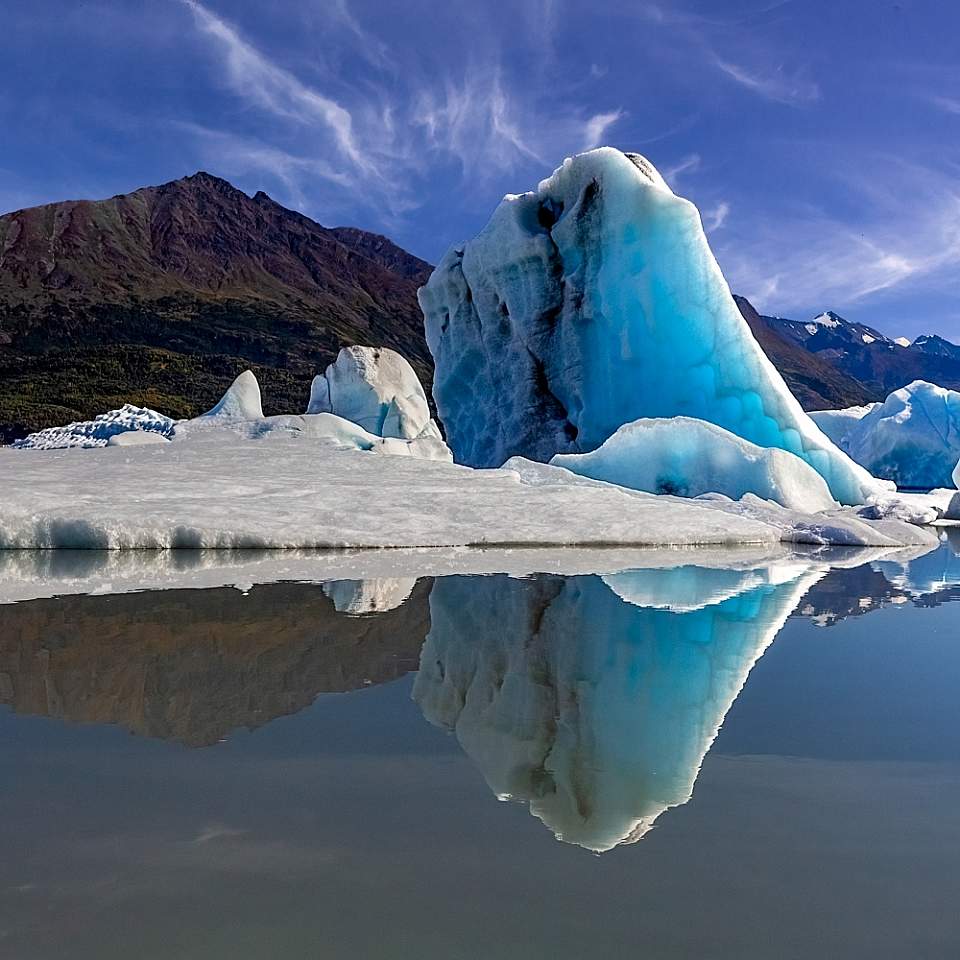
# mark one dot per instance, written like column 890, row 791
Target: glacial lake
column 752, row 758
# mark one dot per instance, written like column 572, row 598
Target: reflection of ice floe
column 929, row 573
column 596, row 711
column 924, row 577
column 369, row 596
column 31, row 574
column 687, row 588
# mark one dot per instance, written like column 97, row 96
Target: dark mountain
column 814, row 380
column 161, row 296
column 870, row 364
column 936, row 346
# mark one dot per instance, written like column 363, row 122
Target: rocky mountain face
column 814, row 380
column 162, row 296
column 830, row 362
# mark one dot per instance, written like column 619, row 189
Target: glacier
column 912, row 438
column 594, row 301
column 377, row 389
column 689, row 458
column 595, row 710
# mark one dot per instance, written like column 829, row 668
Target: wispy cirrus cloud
column 947, row 104
column 252, row 76
column 716, row 217
column 396, row 125
column 903, row 237
column 688, row 164
column 772, row 85
column 597, row 126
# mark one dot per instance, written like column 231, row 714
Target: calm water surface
column 488, row 767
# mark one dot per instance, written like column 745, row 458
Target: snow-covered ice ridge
column 594, row 301
column 99, row 431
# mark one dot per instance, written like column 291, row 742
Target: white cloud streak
column 596, row 127
column 252, row 76
column 772, row 86
column 716, row 217
column 689, row 164
column 816, row 261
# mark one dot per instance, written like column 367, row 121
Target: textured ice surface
column 378, row 390
column 97, row 432
column 215, row 489
column 595, row 710
column 691, row 457
column 240, row 402
column 837, row 424
column 912, row 438
column 594, row 301
column 325, row 426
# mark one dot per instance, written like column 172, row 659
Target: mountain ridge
column 162, row 296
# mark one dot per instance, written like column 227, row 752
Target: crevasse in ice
column 594, row 301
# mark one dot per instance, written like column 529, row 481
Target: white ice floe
column 99, row 431
column 689, row 457
column 287, row 489
column 912, row 438
column 594, row 301
column 378, row 390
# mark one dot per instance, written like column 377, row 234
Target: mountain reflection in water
column 593, row 699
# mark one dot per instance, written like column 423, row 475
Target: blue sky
column 820, row 140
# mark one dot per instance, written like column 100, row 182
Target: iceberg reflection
column 596, row 699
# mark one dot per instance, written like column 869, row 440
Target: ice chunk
column 912, row 438
column 136, row 438
column 837, row 424
column 377, row 389
column 356, row 597
column 595, row 711
column 687, row 458
column 240, row 402
column 594, row 301
column 99, row 431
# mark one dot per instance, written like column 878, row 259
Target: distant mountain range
column 831, row 362
column 162, row 296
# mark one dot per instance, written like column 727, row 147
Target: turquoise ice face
column 592, row 302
